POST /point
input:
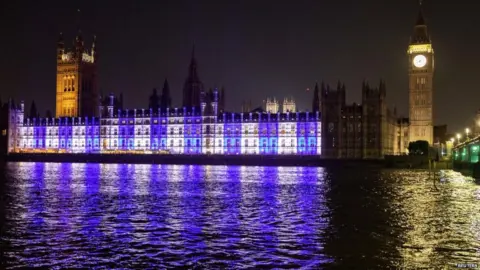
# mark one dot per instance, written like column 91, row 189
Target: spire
column 420, row 19
column 94, row 43
column 166, row 100
column 60, row 47
column 316, row 99
column 420, row 33
column 193, row 62
column 60, row 39
column 193, row 87
column 78, row 21
column 193, row 51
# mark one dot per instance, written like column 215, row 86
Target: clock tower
column 420, row 74
column 76, row 93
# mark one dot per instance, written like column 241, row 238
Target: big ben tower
column 420, row 73
column 76, row 79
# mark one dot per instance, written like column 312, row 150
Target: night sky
column 253, row 48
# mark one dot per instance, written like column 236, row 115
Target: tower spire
column 193, row 51
column 78, row 20
column 420, row 35
column 420, row 19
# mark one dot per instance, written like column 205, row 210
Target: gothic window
column 246, row 142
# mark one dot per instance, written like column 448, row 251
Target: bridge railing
column 467, row 151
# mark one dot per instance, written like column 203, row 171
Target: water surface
column 156, row 216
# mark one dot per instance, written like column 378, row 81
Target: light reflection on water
column 155, row 216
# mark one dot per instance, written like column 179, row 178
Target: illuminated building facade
column 86, row 123
column 176, row 131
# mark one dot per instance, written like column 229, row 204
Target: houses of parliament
column 84, row 122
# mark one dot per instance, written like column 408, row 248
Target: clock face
column 419, row 61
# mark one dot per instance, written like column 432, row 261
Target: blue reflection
column 65, row 200
column 91, row 208
column 156, row 212
column 216, row 217
column 193, row 208
column 231, row 212
column 125, row 204
column 269, row 208
column 36, row 195
column 307, row 199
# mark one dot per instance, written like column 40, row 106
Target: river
column 64, row 215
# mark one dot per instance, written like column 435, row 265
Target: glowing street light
column 458, row 137
column 467, row 130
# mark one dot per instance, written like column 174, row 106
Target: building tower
column 288, row 105
column 420, row 73
column 193, row 87
column 77, row 93
column 271, row 105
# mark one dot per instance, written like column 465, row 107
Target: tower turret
column 110, row 105
column 60, row 47
column 94, row 50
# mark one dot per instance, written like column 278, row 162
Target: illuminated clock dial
column 419, row 61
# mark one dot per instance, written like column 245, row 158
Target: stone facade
column 420, row 73
column 364, row 130
column 77, row 93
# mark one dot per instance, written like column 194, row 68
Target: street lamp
column 458, row 137
column 467, row 130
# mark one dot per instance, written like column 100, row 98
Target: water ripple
column 156, row 216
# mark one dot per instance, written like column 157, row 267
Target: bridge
column 465, row 157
